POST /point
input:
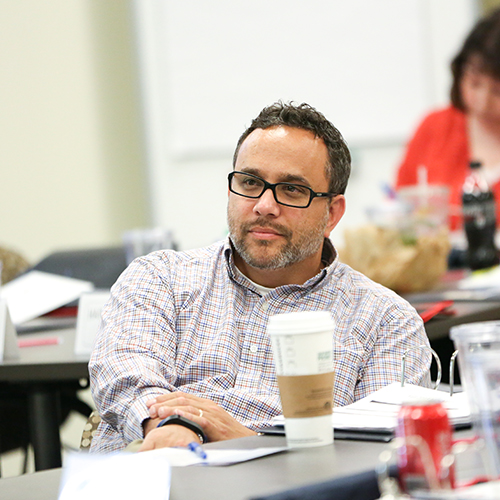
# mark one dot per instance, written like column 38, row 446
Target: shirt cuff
column 137, row 413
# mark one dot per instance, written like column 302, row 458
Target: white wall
column 70, row 143
column 448, row 22
column 191, row 125
column 71, row 151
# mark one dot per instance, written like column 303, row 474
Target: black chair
column 101, row 266
column 89, row 430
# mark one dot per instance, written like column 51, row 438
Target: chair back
column 89, row 430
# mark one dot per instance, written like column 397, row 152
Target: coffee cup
column 302, row 344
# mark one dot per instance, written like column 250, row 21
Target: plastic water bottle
column 479, row 212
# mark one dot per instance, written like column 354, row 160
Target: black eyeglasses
column 290, row 195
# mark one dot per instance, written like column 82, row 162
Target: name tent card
column 8, row 335
column 36, row 293
column 115, row 475
column 88, row 320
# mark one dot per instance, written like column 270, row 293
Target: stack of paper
column 483, row 283
column 93, row 475
column 378, row 411
column 485, row 278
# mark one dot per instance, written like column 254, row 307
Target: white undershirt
column 263, row 290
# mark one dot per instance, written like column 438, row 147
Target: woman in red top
column 448, row 139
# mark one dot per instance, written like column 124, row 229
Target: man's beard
column 289, row 253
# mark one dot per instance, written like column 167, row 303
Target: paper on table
column 182, row 457
column 148, row 474
column 36, row 293
column 378, row 411
column 380, row 408
column 483, row 279
column 91, row 475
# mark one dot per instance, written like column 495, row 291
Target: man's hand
column 166, row 436
column 215, row 421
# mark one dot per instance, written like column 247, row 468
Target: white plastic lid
column 486, row 331
column 300, row 322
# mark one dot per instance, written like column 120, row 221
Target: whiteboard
column 362, row 63
column 207, row 67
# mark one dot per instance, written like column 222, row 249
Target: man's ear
column 335, row 213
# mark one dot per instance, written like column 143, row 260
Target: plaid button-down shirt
column 189, row 321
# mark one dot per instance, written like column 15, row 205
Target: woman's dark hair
column 482, row 45
column 305, row 117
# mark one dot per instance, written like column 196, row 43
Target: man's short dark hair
column 305, row 117
column 483, row 44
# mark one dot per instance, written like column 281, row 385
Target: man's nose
column 267, row 205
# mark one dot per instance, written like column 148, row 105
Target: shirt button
column 265, row 306
column 253, row 349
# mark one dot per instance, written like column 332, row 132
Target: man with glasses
column 183, row 352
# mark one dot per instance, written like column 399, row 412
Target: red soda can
column 427, row 437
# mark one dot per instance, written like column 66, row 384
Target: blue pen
column 196, row 448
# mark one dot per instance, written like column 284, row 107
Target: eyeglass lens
column 253, row 187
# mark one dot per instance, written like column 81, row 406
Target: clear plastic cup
column 427, row 206
column 478, row 347
column 139, row 242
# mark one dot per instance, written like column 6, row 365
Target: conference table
column 257, row 478
column 42, row 368
column 463, row 312
column 262, row 476
column 467, row 307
